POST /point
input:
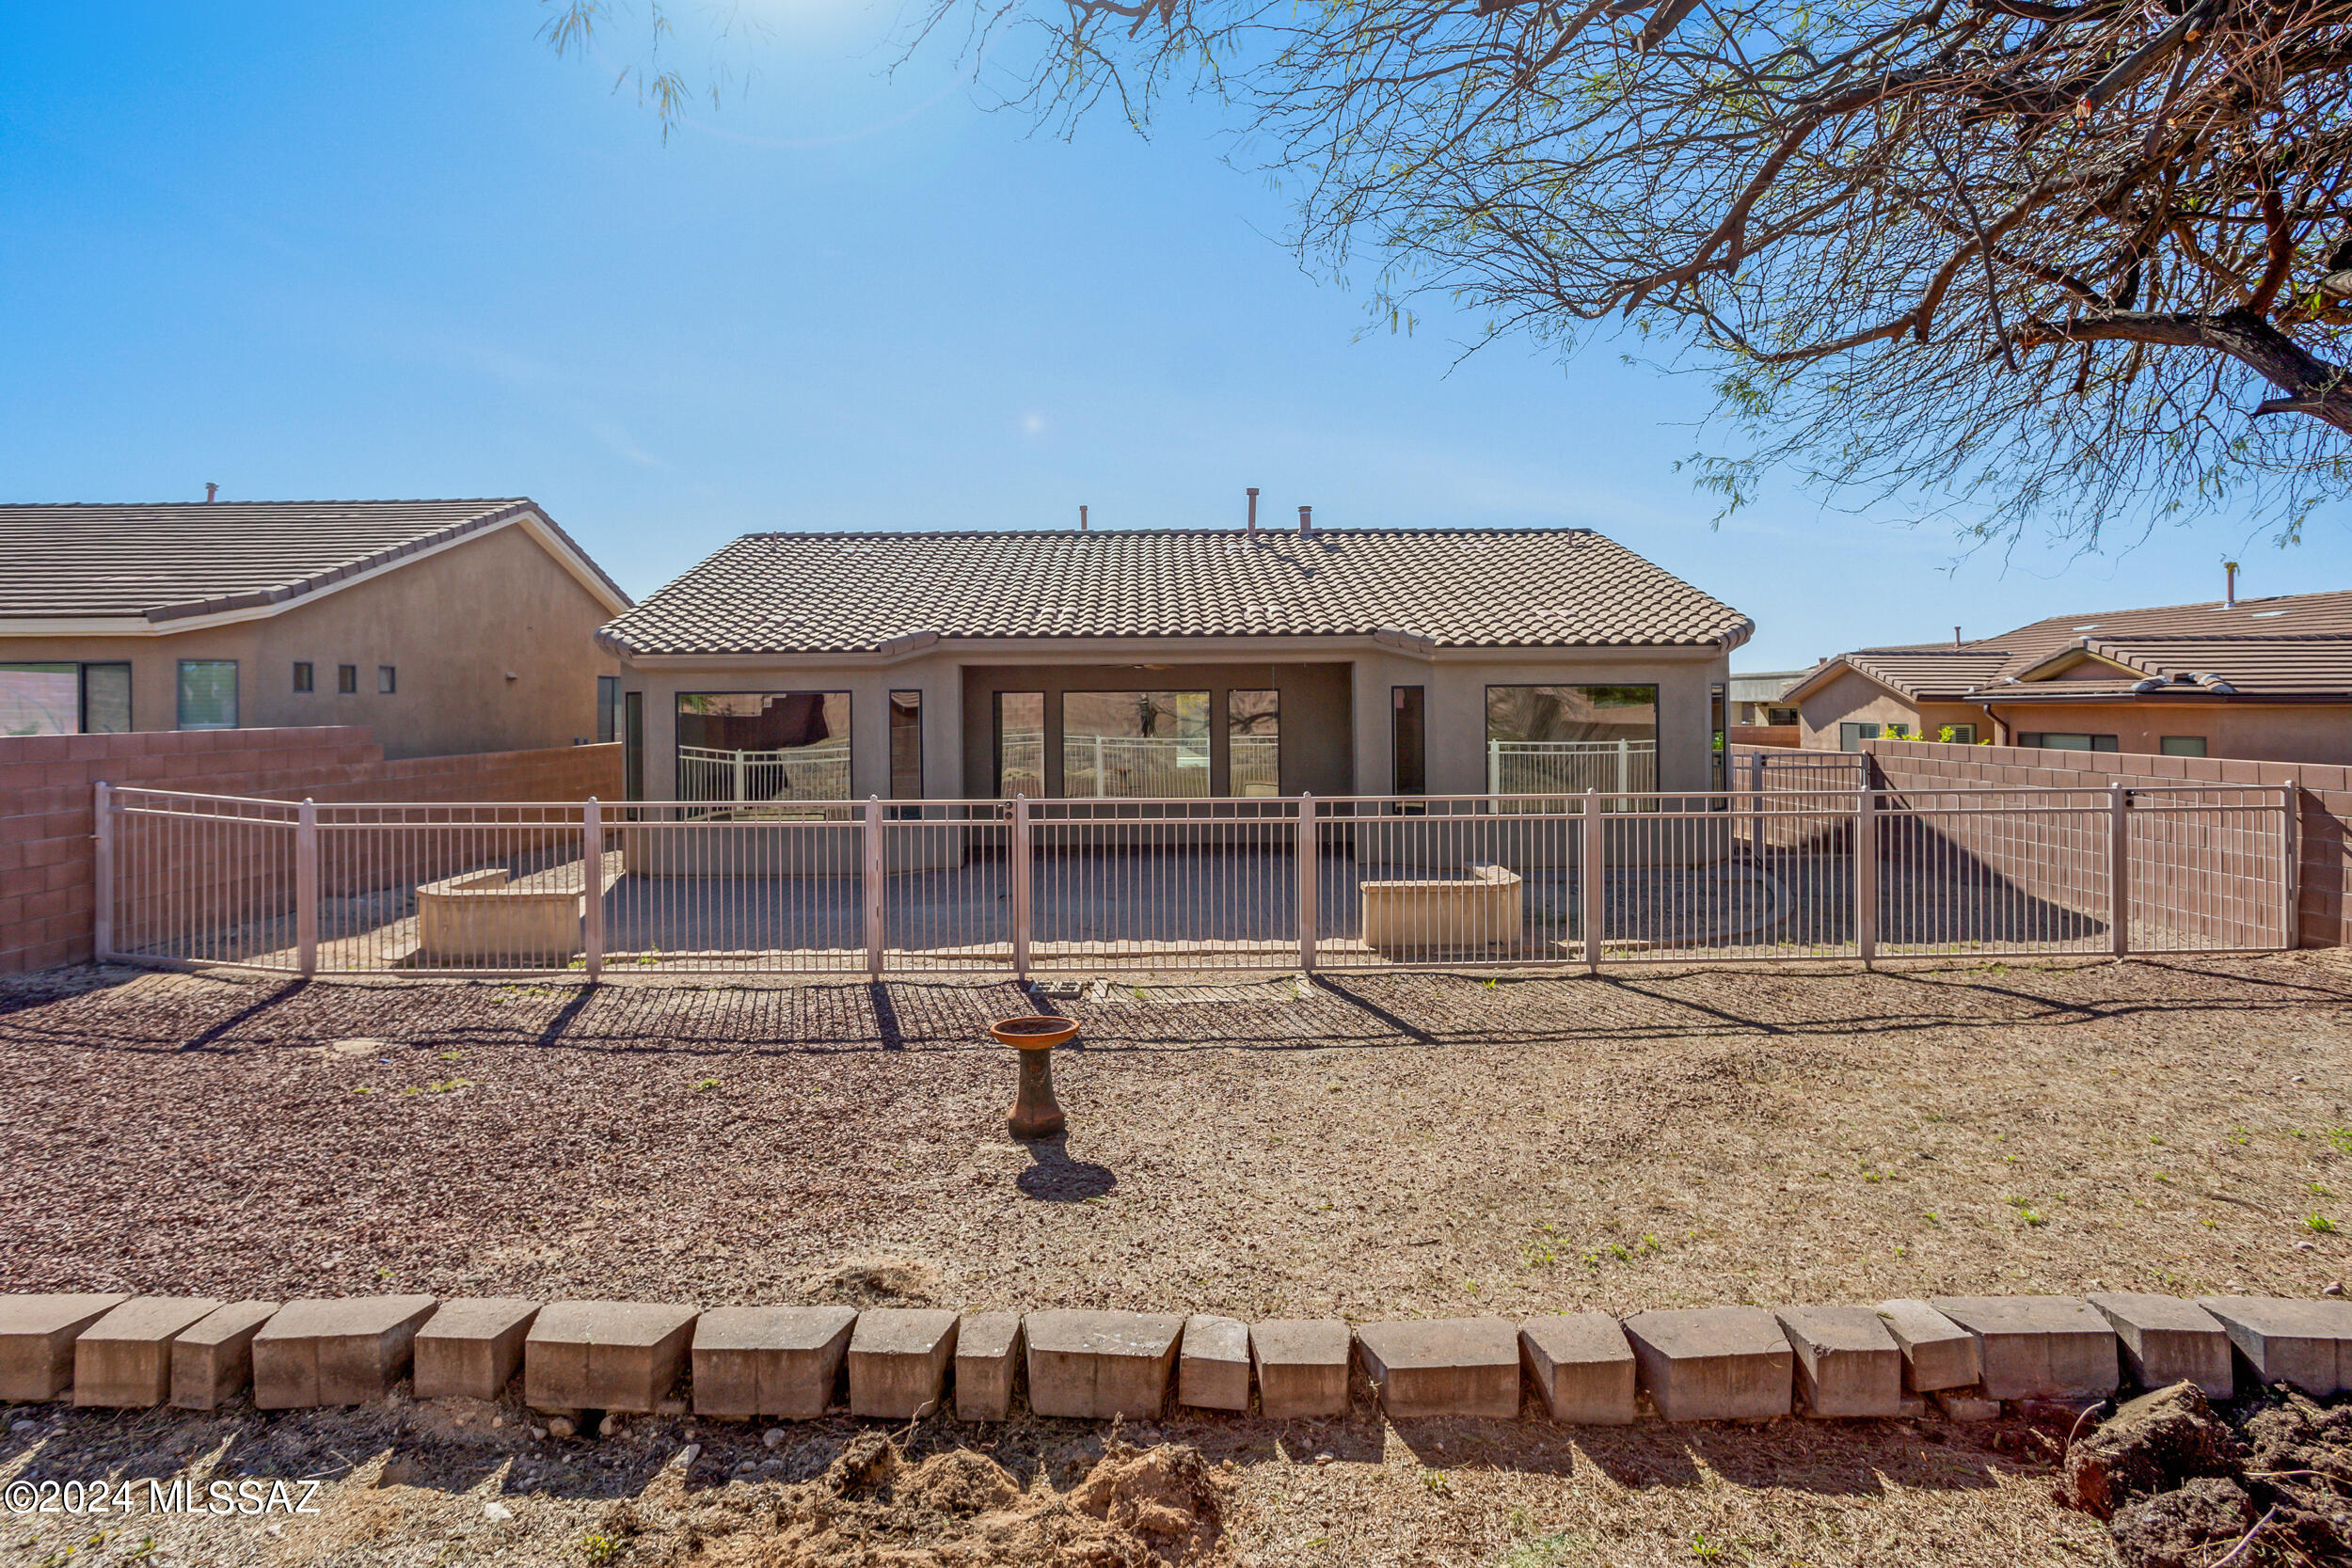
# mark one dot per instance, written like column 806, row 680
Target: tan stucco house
column 1172, row 663
column 2256, row 678
column 446, row 626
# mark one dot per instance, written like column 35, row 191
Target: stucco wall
column 955, row 752
column 451, row 624
column 2254, row 731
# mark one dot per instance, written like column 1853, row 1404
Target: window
column 2182, row 746
column 1851, row 736
column 906, row 745
column 106, row 699
column 763, row 745
column 1566, row 740
column 1409, row 740
column 2066, row 740
column 1958, row 735
column 65, row 698
column 1253, row 742
column 347, row 679
column 607, row 708
column 302, row 678
column 386, row 680
column 1718, row 719
column 1020, row 724
column 1780, row 715
column 1135, row 744
column 208, row 693
column 633, row 746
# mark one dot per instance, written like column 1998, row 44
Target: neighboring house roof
column 83, row 568
column 2294, row 647
column 790, row 593
column 1763, row 686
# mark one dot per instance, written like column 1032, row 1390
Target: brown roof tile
column 168, row 560
column 854, row 593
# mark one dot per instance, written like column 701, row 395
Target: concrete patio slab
column 1583, row 1367
column 211, row 1360
column 1213, row 1368
column 604, row 1355
column 899, row 1360
column 988, row 1363
column 1937, row 1353
column 125, row 1358
column 1302, row 1366
column 346, row 1350
column 2305, row 1343
column 1847, row 1362
column 2168, row 1341
column 472, row 1347
column 782, row 1361
column 37, row 1334
column 2037, row 1347
column 1713, row 1362
column 1444, row 1366
column 1098, row 1365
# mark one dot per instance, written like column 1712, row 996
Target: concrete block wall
column 47, row 850
column 2323, row 802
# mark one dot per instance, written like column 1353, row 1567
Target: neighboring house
column 2261, row 678
column 446, row 626
column 1211, row 663
column 1760, row 697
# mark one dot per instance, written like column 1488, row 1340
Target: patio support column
column 1310, row 874
column 1017, row 866
column 1596, row 880
column 102, row 872
column 872, row 887
column 306, row 888
column 1865, row 872
column 2120, row 868
column 591, row 887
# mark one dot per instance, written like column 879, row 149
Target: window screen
column 1253, row 741
column 208, row 693
column 763, row 746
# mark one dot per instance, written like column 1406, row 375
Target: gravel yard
column 1389, row 1144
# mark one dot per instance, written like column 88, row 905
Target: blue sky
column 314, row 251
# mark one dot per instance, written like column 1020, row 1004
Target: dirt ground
column 1394, row 1145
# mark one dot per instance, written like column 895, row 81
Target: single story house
column 1759, row 698
column 1205, row 663
column 445, row 627
column 2258, row 678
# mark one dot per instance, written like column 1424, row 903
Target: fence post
column 1865, row 871
column 1596, row 880
column 1756, row 786
column 2118, row 868
column 1017, row 862
column 102, row 873
column 591, row 887
column 1310, row 874
column 306, row 888
column 2291, row 865
column 873, row 880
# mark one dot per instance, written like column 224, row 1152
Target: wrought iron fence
column 1242, row 883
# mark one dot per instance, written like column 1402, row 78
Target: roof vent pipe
column 1306, row 519
column 211, row 491
column 2228, row 590
column 1955, row 637
column 1253, row 509
column 1082, row 518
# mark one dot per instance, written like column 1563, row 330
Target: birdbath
column 1035, row 1112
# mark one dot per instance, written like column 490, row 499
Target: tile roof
column 168, row 560
column 2292, row 645
column 1463, row 588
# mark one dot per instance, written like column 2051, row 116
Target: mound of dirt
column 2153, row 1444
column 874, row 1282
column 1137, row 1507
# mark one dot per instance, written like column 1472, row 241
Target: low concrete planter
column 1484, row 908
column 483, row 917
